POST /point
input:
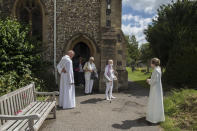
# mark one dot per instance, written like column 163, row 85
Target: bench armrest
column 19, row 117
column 30, row 119
column 48, row 94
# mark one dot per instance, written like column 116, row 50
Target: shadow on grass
column 128, row 124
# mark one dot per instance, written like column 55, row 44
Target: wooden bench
column 20, row 111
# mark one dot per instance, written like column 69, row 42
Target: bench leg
column 54, row 112
column 31, row 123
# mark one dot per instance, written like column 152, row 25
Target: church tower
column 113, row 42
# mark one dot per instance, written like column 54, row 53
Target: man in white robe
column 67, row 88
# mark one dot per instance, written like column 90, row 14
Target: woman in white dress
column 110, row 76
column 155, row 109
column 89, row 67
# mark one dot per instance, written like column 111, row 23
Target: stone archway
column 82, row 39
column 84, row 48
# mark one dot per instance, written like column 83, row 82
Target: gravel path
column 93, row 113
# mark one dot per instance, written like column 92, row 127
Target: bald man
column 67, row 88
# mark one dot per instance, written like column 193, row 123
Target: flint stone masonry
column 80, row 21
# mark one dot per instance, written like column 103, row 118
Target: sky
column 137, row 15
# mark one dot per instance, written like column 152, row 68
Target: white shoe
column 107, row 98
column 113, row 97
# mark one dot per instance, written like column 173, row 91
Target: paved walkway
column 93, row 113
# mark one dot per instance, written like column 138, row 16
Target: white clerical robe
column 155, row 109
column 67, row 88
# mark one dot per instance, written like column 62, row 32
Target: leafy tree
column 172, row 37
column 146, row 54
column 132, row 50
column 18, row 56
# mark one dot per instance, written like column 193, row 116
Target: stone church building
column 89, row 27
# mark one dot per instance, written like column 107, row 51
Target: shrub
column 172, row 37
column 19, row 56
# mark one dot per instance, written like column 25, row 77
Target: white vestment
column 155, row 109
column 109, row 75
column 67, row 90
column 88, row 82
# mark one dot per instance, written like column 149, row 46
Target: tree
column 146, row 54
column 172, row 37
column 18, row 56
column 132, row 49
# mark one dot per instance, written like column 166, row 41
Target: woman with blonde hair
column 155, row 109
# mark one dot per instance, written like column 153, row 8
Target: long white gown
column 88, row 82
column 155, row 109
column 67, row 91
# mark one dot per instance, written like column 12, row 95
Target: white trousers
column 109, row 89
column 88, row 86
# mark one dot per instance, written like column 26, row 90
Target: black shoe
column 151, row 124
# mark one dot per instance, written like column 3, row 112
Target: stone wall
column 82, row 18
column 77, row 17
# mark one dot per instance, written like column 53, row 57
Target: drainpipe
column 55, row 67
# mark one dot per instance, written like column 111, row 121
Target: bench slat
column 31, row 94
column 2, row 112
column 25, row 97
column 15, row 125
column 19, row 101
column 28, row 96
column 8, row 106
column 16, row 92
column 37, row 110
column 26, row 111
column 46, row 110
column 22, row 100
column 44, row 115
column 12, row 106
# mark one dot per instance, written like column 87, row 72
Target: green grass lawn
column 138, row 76
column 180, row 105
column 181, row 111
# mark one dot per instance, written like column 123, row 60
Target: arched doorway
column 82, row 51
column 84, row 48
column 29, row 12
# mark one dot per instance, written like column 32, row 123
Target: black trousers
column 81, row 78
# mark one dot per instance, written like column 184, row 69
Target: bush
column 172, row 37
column 11, row 81
column 18, row 56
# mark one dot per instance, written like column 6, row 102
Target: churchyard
column 36, row 34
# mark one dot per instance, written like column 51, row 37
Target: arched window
column 29, row 12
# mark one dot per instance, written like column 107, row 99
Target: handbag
column 94, row 75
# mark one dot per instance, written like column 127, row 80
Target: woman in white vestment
column 155, row 108
column 89, row 67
